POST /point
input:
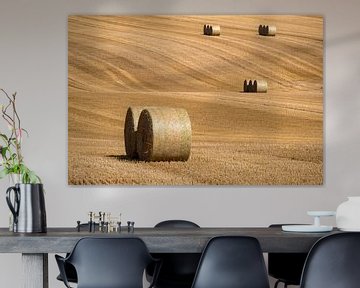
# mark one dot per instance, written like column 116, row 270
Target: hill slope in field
column 238, row 138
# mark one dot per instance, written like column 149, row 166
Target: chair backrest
column 286, row 266
column 110, row 262
column 176, row 224
column 177, row 268
column 333, row 262
column 232, row 262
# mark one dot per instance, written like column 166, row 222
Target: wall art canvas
column 195, row 100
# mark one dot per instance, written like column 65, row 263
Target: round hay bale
column 267, row 30
column 246, row 89
column 270, row 30
column 215, row 30
column 206, row 27
column 164, row 134
column 130, row 131
column 261, row 30
column 260, row 86
column 250, row 86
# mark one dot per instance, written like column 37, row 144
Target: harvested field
column 273, row 138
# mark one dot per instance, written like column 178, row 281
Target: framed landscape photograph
column 195, row 100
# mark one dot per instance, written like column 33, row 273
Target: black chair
column 178, row 269
column 232, row 262
column 69, row 269
column 108, row 263
column 286, row 267
column 333, row 262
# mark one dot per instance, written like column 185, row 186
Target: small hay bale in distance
column 245, row 86
column 256, row 86
column 248, row 86
column 267, row 30
column 270, row 30
column 130, row 131
column 212, row 30
column 164, row 134
column 206, row 28
column 260, row 86
column 215, row 30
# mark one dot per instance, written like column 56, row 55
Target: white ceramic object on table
column 348, row 214
column 306, row 228
column 316, row 227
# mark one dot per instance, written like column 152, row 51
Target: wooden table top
column 158, row 240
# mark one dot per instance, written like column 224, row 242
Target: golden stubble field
column 273, row 138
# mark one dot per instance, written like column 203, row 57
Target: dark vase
column 27, row 207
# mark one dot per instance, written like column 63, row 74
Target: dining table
column 35, row 247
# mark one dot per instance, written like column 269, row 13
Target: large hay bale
column 130, row 131
column 164, row 134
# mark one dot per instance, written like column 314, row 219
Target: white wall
column 33, row 62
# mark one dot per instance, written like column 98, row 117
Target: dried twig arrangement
column 12, row 160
